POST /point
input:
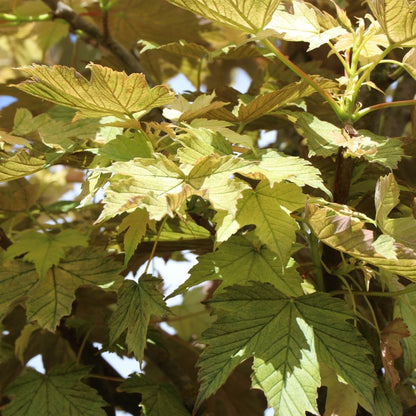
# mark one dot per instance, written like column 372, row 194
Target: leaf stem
column 381, row 106
column 152, row 253
column 305, row 77
column 409, row 289
column 117, row 379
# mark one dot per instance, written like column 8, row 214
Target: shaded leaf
column 137, row 302
column 157, row 399
column 107, row 92
column 287, row 337
column 191, row 317
column 246, row 15
column 57, row 393
column 17, row 279
column 45, row 250
column 52, row 297
column 386, row 402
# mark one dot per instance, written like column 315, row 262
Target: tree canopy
column 302, row 296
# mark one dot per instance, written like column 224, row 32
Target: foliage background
column 305, row 247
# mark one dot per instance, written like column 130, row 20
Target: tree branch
column 77, row 22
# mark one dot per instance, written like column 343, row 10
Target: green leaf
column 386, row 402
column 239, row 260
column 264, row 104
column 108, row 93
column 287, row 337
column 200, row 142
column 125, row 148
column 137, row 302
column 342, row 229
column 17, row 278
column 52, row 297
column 278, row 167
column 341, row 399
column 274, row 225
column 386, row 198
column 157, row 399
column 246, row 15
column 19, row 165
column 397, row 18
column 191, row 317
column 45, row 250
column 57, row 393
column 306, row 24
column 135, row 223
column 321, row 136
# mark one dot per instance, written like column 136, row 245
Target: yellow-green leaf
column 246, row 15
column 305, row 24
column 19, row 165
column 45, row 250
column 107, row 92
column 342, row 229
column 398, row 20
column 135, row 223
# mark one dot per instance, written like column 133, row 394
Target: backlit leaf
column 107, row 92
column 287, row 336
column 401, row 229
column 274, row 225
column 137, row 302
column 57, row 393
column 340, row 228
column 398, row 20
column 246, row 15
column 19, row 165
column 239, row 261
column 305, row 24
column 135, row 223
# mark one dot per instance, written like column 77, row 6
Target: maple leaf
column 246, row 15
column 57, row 393
column 287, row 337
column 107, row 93
column 19, row 165
column 340, row 228
column 274, row 225
column 391, row 349
column 157, row 399
column 45, row 250
column 135, row 223
column 137, row 302
column 51, row 297
column 239, row 260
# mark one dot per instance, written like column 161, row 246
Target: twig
column 77, row 22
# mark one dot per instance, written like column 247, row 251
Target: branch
column 77, row 22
